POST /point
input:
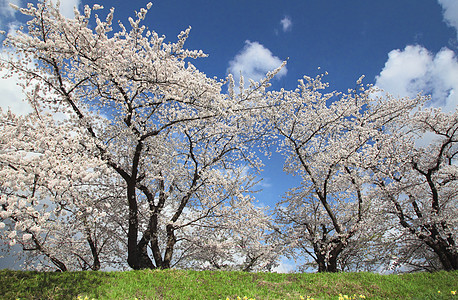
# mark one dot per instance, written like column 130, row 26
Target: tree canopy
column 132, row 157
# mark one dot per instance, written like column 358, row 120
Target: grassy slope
column 180, row 284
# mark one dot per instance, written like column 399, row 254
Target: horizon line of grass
column 187, row 284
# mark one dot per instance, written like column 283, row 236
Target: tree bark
column 137, row 255
column 447, row 257
column 328, row 264
column 171, row 241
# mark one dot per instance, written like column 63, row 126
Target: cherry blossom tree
column 330, row 140
column 418, row 185
column 162, row 126
column 238, row 239
column 53, row 196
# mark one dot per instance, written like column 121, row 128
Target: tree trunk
column 332, row 265
column 328, row 264
column 137, row 255
column 447, row 257
column 132, row 233
column 171, row 241
column 321, row 261
column 95, row 255
column 155, row 241
column 324, row 265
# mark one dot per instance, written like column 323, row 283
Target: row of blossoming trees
column 132, row 157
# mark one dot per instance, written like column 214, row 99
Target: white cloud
column 254, row 61
column 6, row 10
column 66, row 7
column 415, row 69
column 11, row 93
column 450, row 11
column 286, row 23
column 285, row 266
column 12, row 96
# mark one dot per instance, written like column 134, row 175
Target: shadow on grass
column 50, row 285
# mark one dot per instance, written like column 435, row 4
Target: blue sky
column 403, row 46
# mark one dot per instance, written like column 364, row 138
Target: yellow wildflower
column 453, row 292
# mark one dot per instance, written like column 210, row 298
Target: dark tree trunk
column 171, row 241
column 155, row 241
column 332, row 265
column 95, row 255
column 132, row 233
column 324, row 265
column 137, row 255
column 447, row 257
column 321, row 261
column 328, row 264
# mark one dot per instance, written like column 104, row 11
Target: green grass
column 181, row 284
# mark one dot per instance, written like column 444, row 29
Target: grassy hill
column 182, row 284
